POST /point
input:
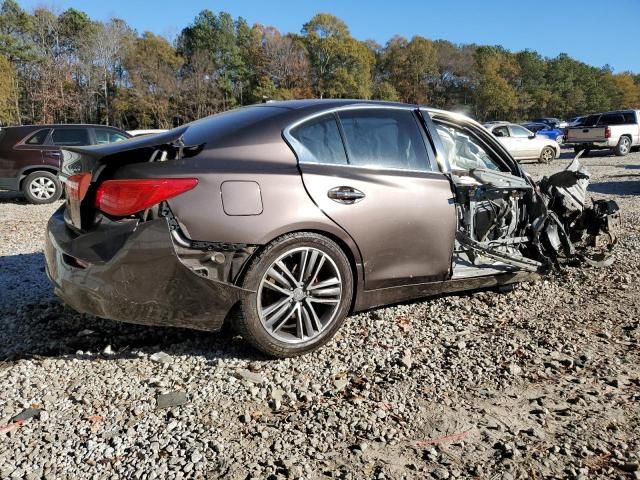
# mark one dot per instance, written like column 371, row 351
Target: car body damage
column 298, row 213
column 510, row 222
column 576, row 229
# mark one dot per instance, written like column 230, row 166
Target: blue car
column 544, row 130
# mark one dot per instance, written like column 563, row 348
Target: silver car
column 523, row 144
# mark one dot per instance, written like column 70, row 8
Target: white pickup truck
column 619, row 131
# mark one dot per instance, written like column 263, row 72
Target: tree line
column 66, row 67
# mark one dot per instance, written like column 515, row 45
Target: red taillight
column 126, row 197
column 76, row 186
column 607, row 132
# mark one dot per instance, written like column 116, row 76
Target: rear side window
column 70, row 136
column 384, row 138
column 629, row 118
column 319, row 141
column 611, row 119
column 104, row 135
column 39, row 137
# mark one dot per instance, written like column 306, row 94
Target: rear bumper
column 594, row 144
column 132, row 274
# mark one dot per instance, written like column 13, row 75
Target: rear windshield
column 234, row 126
column 590, row 121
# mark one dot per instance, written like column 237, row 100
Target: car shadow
column 8, row 196
column 34, row 323
column 616, row 188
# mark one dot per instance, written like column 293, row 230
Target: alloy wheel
column 42, row 188
column 547, row 155
column 624, row 145
column 299, row 295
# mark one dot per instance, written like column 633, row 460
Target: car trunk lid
column 84, row 168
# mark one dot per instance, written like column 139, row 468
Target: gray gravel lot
column 539, row 382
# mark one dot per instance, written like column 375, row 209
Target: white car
column 523, row 144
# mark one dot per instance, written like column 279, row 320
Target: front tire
column 41, row 187
column 624, row 147
column 547, row 155
column 303, row 287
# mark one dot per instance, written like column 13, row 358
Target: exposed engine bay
column 506, row 222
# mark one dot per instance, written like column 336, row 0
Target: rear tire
column 624, row 146
column 303, row 287
column 547, row 155
column 41, row 187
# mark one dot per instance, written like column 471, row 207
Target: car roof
column 329, row 103
column 535, row 123
column 61, row 125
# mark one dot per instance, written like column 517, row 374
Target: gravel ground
column 539, row 382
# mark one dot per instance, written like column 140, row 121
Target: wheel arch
column 350, row 252
column 26, row 171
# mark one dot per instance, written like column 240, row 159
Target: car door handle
column 586, row 130
column 345, row 195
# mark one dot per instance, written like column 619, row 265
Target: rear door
column 27, row 152
column 369, row 170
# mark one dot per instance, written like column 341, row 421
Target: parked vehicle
column 575, row 121
column 523, row 144
column 283, row 218
column 30, row 156
column 152, row 131
column 544, row 130
column 618, row 131
column 551, row 121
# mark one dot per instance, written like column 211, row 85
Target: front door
column 379, row 186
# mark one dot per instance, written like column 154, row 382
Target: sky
column 597, row 32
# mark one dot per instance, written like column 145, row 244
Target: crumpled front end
column 573, row 228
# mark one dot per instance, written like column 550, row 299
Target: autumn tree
column 628, row 90
column 341, row 66
column 7, row 92
column 453, row 86
column 106, row 48
column 409, row 66
column 67, row 67
column 284, row 68
column 496, row 96
column 212, row 41
column 152, row 65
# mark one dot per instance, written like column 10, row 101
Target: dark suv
column 30, row 155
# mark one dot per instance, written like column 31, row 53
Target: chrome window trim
column 293, row 142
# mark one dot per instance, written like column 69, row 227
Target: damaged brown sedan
column 284, row 218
